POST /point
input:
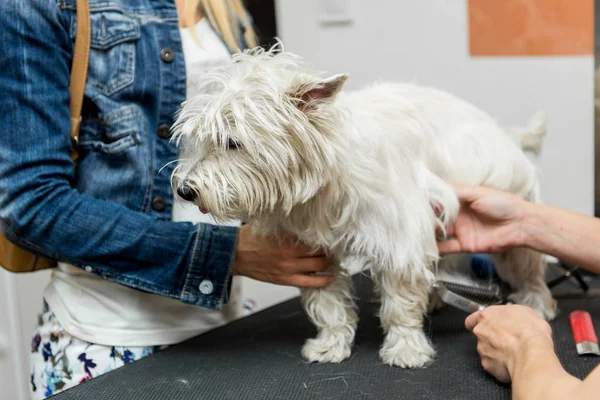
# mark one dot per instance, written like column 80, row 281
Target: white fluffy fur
column 272, row 143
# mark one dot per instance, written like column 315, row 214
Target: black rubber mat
column 259, row 358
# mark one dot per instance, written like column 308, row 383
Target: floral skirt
column 60, row 361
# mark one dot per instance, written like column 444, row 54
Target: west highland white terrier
column 273, row 143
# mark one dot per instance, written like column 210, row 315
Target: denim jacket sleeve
column 39, row 209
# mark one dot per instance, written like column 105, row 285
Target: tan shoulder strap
column 79, row 67
column 14, row 258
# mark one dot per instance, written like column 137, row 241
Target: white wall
column 20, row 303
column 427, row 41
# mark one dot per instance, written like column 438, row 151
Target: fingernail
column 322, row 273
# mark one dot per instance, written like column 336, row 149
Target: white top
column 98, row 311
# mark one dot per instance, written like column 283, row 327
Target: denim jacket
column 112, row 214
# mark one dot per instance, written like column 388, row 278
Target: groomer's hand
column 281, row 262
column 508, row 337
column 489, row 221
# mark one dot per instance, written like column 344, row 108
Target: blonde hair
column 225, row 16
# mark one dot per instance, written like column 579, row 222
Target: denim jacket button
column 167, row 55
column 158, row 203
column 164, row 131
column 206, row 287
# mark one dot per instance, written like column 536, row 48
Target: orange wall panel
column 531, row 27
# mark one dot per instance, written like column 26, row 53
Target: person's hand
column 504, row 336
column 281, row 262
column 489, row 221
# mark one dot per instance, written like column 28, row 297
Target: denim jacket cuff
column 208, row 279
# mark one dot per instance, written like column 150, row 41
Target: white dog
column 274, row 144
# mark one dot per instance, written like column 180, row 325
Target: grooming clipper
column 468, row 298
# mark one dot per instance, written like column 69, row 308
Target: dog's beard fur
column 271, row 143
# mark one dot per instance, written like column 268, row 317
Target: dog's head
column 260, row 138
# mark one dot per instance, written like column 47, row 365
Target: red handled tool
column 584, row 333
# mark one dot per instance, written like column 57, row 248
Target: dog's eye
column 233, row 145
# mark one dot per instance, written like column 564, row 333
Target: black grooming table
column 259, row 358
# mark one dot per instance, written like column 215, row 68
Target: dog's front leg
column 404, row 299
column 333, row 311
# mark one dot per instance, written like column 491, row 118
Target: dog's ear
column 309, row 94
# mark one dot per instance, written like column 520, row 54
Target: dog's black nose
column 186, row 193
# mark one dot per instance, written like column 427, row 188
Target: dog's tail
column 530, row 139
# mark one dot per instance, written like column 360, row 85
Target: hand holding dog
column 280, row 262
column 489, row 221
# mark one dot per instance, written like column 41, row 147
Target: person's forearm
column 538, row 374
column 570, row 236
column 42, row 212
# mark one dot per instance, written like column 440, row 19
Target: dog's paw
column 327, row 348
column 539, row 299
column 406, row 348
